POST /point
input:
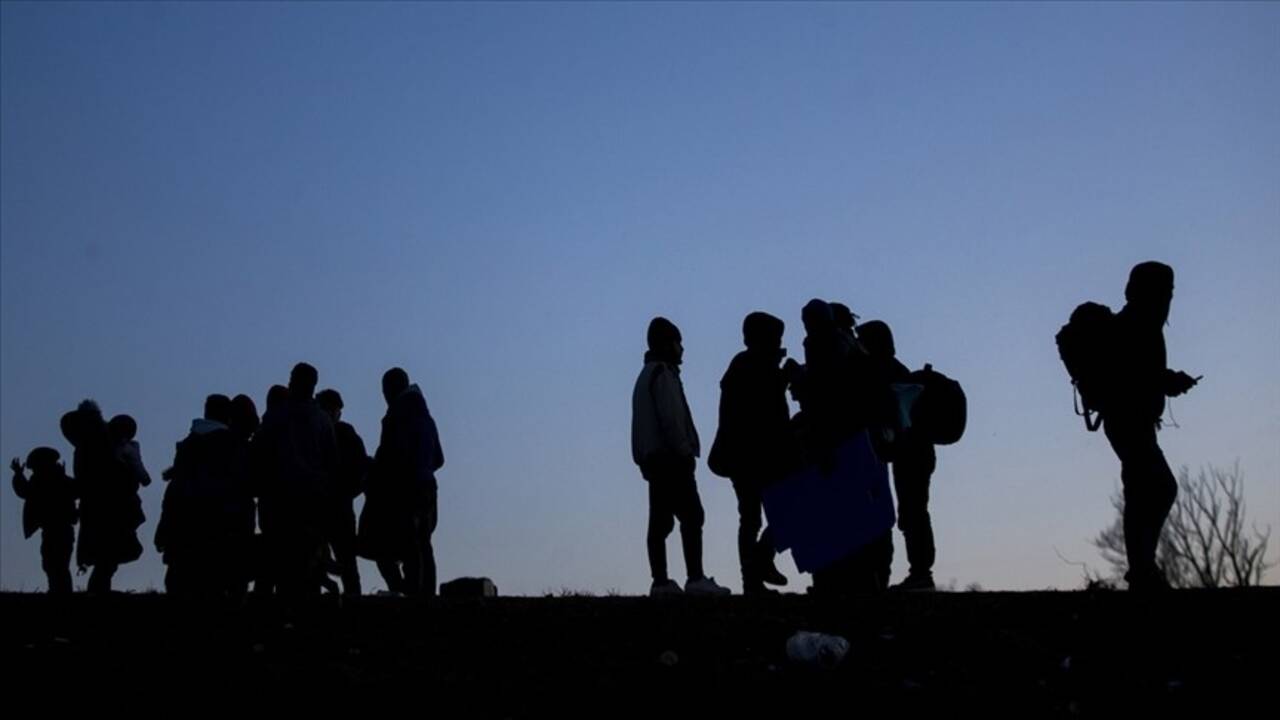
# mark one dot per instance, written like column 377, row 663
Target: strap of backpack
column 1092, row 418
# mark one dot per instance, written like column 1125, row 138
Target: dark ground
column 1034, row 654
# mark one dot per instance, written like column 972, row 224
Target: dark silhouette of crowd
column 250, row 503
column 267, row 504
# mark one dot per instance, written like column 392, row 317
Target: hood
column 202, row 426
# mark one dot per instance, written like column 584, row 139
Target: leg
column 749, row 523
column 1149, row 493
column 100, row 578
column 688, row 509
column 420, row 564
column 55, row 557
column 390, row 572
column 661, row 523
column 344, row 549
column 911, row 475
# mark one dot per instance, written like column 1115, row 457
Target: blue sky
column 498, row 197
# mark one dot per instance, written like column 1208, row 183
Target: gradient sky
column 498, row 197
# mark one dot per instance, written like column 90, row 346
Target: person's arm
column 668, row 399
column 330, row 456
column 437, row 452
column 1177, row 383
column 133, row 458
column 360, row 464
column 167, row 509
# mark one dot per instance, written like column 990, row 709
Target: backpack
column 941, row 410
column 1084, row 345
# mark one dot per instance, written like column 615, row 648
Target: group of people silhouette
column 268, row 501
column 848, row 384
column 852, row 382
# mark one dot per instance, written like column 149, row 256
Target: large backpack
column 1084, row 345
column 941, row 410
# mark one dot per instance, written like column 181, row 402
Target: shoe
column 770, row 575
column 705, row 586
column 915, row 583
column 759, row 591
column 1152, row 581
column 661, row 588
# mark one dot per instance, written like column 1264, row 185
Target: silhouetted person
column 400, row 499
column 50, row 507
column 823, row 386
column 1142, row 381
column 914, row 460
column 845, row 323
column 244, row 417
column 263, row 470
column 300, row 453
column 753, row 441
column 353, row 464
column 110, row 510
column 840, row 395
column 197, row 533
column 277, row 399
column 244, row 563
column 128, row 454
column 664, row 443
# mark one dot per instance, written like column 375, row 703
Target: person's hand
column 790, row 366
column 1181, row 382
column 16, row 466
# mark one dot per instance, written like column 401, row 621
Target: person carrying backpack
column 914, row 461
column 1119, row 365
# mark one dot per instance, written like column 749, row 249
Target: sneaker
column 1152, row 581
column 705, row 586
column 770, row 575
column 759, row 591
column 915, row 583
column 662, row 588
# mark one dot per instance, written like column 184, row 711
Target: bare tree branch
column 1204, row 542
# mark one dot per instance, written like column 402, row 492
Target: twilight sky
column 498, row 197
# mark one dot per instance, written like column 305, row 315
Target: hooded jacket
column 661, row 424
column 754, row 414
column 409, row 452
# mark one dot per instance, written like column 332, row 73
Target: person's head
column 394, row 382
column 843, row 317
column 1150, row 290
column 71, row 427
column 122, row 428
column 331, row 402
column 877, row 338
column 302, row 381
column 218, row 408
column 91, row 414
column 817, row 317
column 277, row 397
column 664, row 340
column 42, row 459
column 762, row 331
column 84, row 425
column 244, row 415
